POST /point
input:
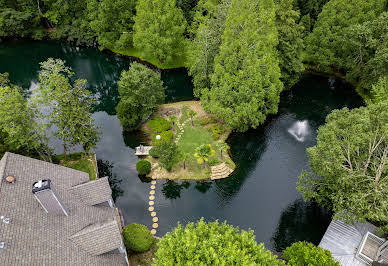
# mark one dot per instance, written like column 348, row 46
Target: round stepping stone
column 155, row 219
column 153, row 214
column 150, row 208
column 151, row 203
column 152, row 192
column 152, row 197
column 153, row 182
column 153, row 231
column 155, row 225
column 152, row 187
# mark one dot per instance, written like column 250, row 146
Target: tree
column 203, row 153
column 191, row 114
column 207, row 29
column 223, row 147
column 380, row 90
column 168, row 154
column 245, row 83
column 68, row 106
column 324, row 46
column 159, row 27
column 212, row 244
column 18, row 125
column 141, row 91
column 185, row 156
column 172, row 119
column 112, row 20
column 349, row 165
column 290, row 45
column 309, row 10
column 188, row 8
column 305, row 253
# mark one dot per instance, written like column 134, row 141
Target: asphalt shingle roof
column 33, row 237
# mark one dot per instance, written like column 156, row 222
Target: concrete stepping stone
column 153, row 231
column 155, row 225
column 152, row 187
column 151, row 197
column 151, row 203
column 155, row 219
column 150, row 208
column 153, row 214
column 153, row 182
column 152, row 192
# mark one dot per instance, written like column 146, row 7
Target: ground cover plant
column 78, row 161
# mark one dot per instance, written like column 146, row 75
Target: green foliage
column 380, row 90
column 207, row 29
column 158, row 30
column 156, row 151
column 137, row 237
column 165, row 136
column 290, row 45
column 204, row 121
column 168, row 155
column 143, row 167
column 141, row 91
column 305, row 253
column 14, row 23
column 327, row 42
column 217, row 130
column 78, row 161
column 245, row 83
column 212, row 244
column 112, row 20
column 349, row 170
column 159, row 124
column 309, row 10
column 213, row 161
column 70, row 105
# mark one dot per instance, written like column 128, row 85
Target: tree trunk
column 184, row 165
column 192, row 122
column 204, row 164
column 64, row 152
column 221, row 154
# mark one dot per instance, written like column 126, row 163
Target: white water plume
column 299, row 130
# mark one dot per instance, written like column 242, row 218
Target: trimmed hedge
column 143, row 167
column 159, row 124
column 137, row 237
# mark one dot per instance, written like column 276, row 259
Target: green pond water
column 260, row 194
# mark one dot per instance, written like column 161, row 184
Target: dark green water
column 260, row 194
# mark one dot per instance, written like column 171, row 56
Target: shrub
column 155, row 151
column 204, row 121
column 212, row 244
column 216, row 130
column 159, row 124
column 305, row 253
column 165, row 136
column 213, row 161
column 137, row 237
column 143, row 167
column 168, row 155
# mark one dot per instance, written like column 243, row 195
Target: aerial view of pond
column 261, row 194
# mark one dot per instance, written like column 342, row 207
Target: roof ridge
column 3, row 164
column 92, row 227
column 90, row 182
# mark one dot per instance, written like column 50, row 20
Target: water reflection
column 172, row 189
column 300, row 221
column 203, row 187
column 105, row 169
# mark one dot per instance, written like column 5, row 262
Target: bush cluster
column 137, row 237
column 216, row 130
column 165, row 136
column 167, row 152
column 159, row 124
column 143, row 167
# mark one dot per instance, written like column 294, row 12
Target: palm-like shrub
column 203, row 152
column 143, row 167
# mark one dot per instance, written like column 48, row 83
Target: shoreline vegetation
column 79, row 161
column 189, row 133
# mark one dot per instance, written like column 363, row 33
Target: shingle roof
column 342, row 240
column 93, row 192
column 35, row 238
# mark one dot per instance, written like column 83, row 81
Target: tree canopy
column 158, row 30
column 245, row 85
column 141, row 91
column 212, row 243
column 349, row 165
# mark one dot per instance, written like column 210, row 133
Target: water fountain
column 299, row 130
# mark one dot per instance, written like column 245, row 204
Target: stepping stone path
column 220, row 171
column 151, row 202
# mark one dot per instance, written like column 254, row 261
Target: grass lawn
column 79, row 161
column 144, row 258
column 176, row 63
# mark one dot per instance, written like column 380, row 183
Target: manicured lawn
column 194, row 137
column 78, row 161
column 176, row 63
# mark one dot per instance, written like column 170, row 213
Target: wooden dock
column 142, row 150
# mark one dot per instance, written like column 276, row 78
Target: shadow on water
column 105, row 169
column 300, row 221
column 172, row 189
column 203, row 186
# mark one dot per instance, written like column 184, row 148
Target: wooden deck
column 143, row 150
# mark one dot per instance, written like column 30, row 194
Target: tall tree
column 207, row 29
column 324, row 45
column 112, row 21
column 18, row 126
column 309, row 10
column 350, row 164
column 159, row 27
column 379, row 90
column 141, row 91
column 68, row 107
column 245, row 84
column 290, row 45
